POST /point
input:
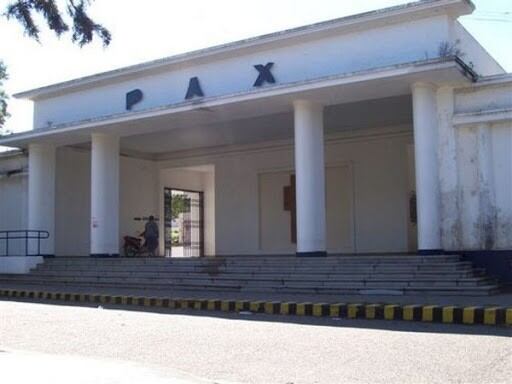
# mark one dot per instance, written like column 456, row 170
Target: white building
column 375, row 116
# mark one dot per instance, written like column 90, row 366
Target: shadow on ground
column 386, row 325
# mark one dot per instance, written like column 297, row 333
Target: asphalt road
column 63, row 344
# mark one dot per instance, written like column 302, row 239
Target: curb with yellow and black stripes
column 494, row 315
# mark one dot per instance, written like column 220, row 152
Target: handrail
column 26, row 235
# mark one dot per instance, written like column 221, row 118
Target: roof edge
column 466, row 7
column 405, row 68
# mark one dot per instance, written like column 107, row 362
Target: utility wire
column 493, row 16
column 490, row 19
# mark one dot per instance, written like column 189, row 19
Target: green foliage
column 180, row 204
column 3, row 96
column 83, row 27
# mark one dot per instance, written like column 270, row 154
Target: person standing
column 151, row 236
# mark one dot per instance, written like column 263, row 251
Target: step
column 258, row 259
column 251, row 282
column 254, row 276
column 398, row 274
column 276, row 276
column 482, row 290
column 315, row 268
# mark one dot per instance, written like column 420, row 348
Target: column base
column 104, row 255
column 312, row 254
column 430, row 252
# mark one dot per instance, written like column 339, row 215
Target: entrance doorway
column 184, row 218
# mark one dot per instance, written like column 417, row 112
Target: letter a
column 194, row 89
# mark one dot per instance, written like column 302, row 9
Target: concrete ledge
column 19, row 264
column 471, row 315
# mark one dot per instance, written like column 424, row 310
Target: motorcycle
column 135, row 246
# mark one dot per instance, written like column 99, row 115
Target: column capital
column 305, row 103
column 105, row 135
column 423, row 85
column 41, row 146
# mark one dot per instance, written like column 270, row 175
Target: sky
column 152, row 29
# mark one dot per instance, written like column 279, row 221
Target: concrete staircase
column 375, row 274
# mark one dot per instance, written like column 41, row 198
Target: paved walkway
column 62, row 369
column 80, row 343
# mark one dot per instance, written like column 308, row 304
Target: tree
column 83, row 28
column 3, row 96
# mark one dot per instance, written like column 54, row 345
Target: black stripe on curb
column 416, row 312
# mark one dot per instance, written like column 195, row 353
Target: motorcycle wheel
column 130, row 251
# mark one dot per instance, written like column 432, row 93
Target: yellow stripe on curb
column 371, row 311
column 353, row 310
column 508, row 317
column 285, row 308
column 491, row 315
column 468, row 315
column 408, row 312
column 448, row 314
column 224, row 305
column 415, row 312
column 335, row 309
column 389, row 311
column 318, row 309
column 428, row 313
column 270, row 307
column 301, row 308
column 211, row 305
column 239, row 305
column 254, row 306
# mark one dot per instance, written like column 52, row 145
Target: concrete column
column 41, row 195
column 427, row 168
column 310, row 178
column 487, row 198
column 104, row 195
column 451, row 230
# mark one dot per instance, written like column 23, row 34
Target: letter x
column 264, row 74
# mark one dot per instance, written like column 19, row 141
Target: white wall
column 72, row 202
column 380, row 188
column 13, row 201
column 304, row 59
column 275, row 221
column 139, row 194
column 476, row 157
column 375, row 162
column 138, row 197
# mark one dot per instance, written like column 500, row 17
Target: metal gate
column 184, row 228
